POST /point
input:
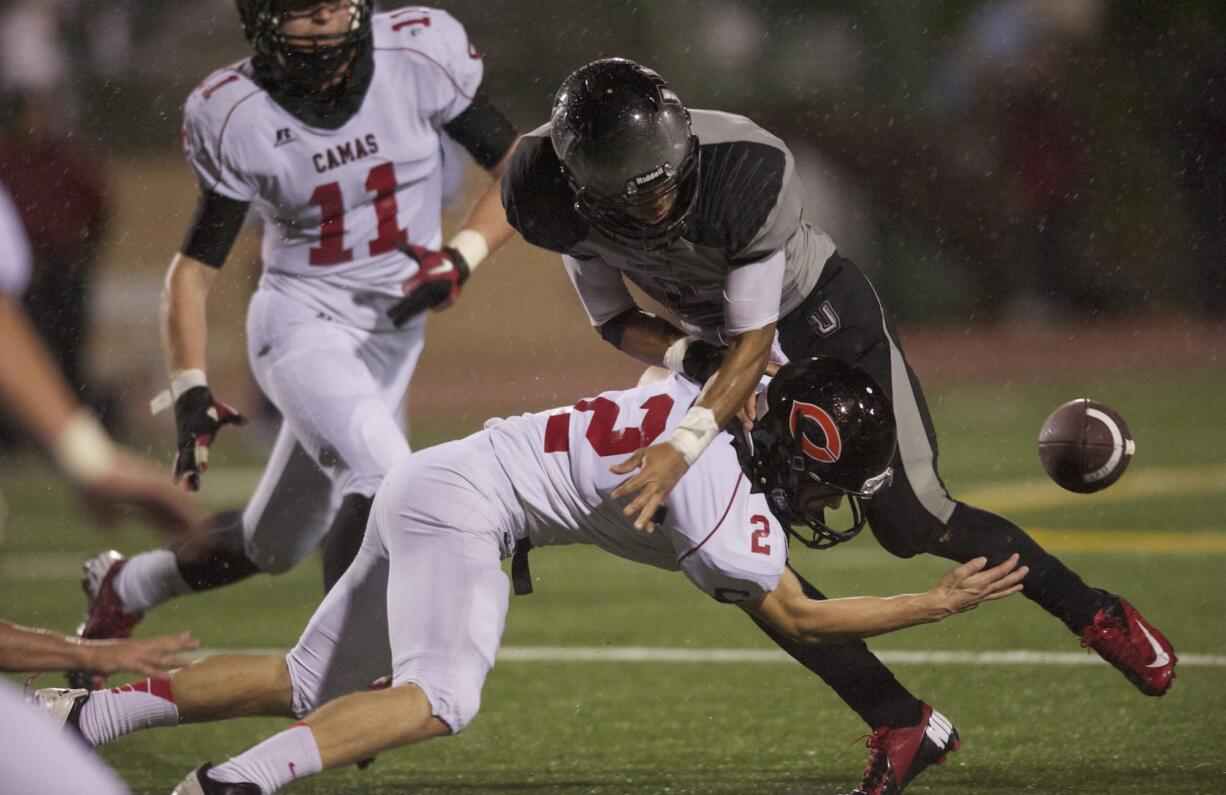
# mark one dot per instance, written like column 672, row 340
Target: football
column 1085, row 446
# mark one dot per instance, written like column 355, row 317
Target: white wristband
column 184, row 380
column 83, row 450
column 674, row 357
column 694, row 433
column 473, row 247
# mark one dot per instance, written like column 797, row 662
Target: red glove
column 436, row 285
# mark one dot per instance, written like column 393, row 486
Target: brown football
column 1085, row 446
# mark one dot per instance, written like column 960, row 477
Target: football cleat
column 105, row 618
column 1134, row 646
column 62, row 705
column 897, row 756
column 198, row 782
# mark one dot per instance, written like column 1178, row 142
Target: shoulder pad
column 740, row 184
column 539, row 201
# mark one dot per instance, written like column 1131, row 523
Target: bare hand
column 969, row 585
column 659, row 466
column 150, row 657
column 135, row 486
column 748, row 412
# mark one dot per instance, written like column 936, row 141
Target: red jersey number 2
column 758, row 537
column 381, row 181
column 604, row 438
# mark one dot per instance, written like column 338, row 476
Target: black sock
column 344, row 538
column 855, row 673
column 972, row 532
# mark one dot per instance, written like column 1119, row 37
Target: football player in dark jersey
column 702, row 211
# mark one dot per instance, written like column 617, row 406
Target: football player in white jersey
column 332, row 133
column 110, row 481
column 426, row 596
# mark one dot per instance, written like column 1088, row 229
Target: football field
column 616, row 678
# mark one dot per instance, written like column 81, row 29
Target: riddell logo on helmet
column 654, row 174
column 832, row 448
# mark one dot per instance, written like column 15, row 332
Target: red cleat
column 899, row 755
column 1134, row 646
column 105, row 618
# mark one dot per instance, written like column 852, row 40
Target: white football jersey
column 336, row 202
column 14, row 248
column 720, row 534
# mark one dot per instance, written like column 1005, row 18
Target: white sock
column 277, row 761
column 149, row 579
column 143, row 704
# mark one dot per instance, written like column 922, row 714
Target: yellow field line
column 1131, row 541
column 1136, row 484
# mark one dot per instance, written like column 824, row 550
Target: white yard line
column 896, row 657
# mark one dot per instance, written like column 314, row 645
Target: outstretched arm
column 788, row 611
column 26, row 649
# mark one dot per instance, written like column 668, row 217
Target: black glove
column 198, row 418
column 436, row 285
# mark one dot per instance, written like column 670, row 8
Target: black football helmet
column 304, row 60
column 826, row 422
column 624, row 141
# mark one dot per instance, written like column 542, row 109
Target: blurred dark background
column 1014, row 159
column 1004, row 163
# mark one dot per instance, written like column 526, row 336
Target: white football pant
column 425, row 597
column 341, row 391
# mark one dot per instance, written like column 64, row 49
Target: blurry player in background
column 112, row 483
column 331, row 131
column 426, row 595
column 702, row 210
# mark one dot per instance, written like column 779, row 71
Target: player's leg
column 320, row 375
column 391, row 360
column 440, row 521
column 343, row 648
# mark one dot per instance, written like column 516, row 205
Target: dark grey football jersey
column 748, row 207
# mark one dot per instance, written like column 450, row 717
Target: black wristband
column 701, row 360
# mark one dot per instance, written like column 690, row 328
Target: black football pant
column 843, row 317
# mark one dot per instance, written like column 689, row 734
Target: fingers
column 645, row 521
column 625, row 467
column 228, row 415
column 971, row 567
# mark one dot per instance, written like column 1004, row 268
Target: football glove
column 436, row 285
column 198, row 418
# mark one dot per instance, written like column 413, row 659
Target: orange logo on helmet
column 828, row 452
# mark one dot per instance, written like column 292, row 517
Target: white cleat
column 61, row 705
